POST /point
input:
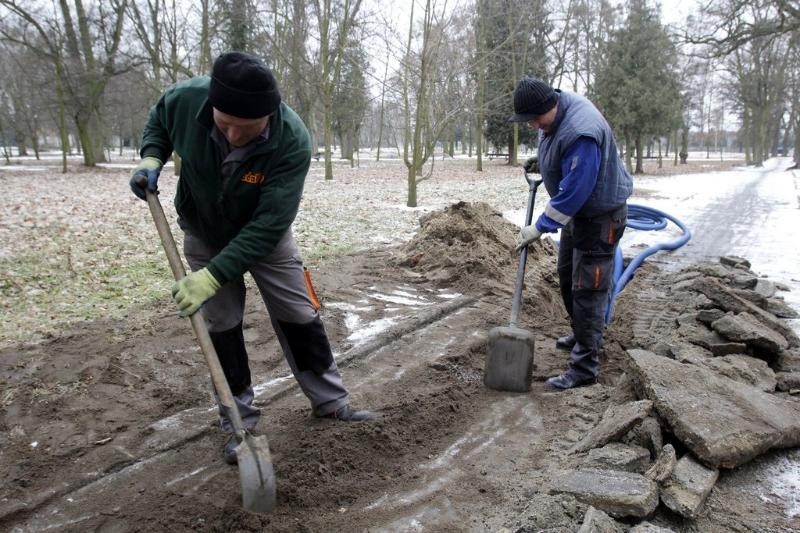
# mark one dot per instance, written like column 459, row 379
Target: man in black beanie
column 244, row 158
column 589, row 188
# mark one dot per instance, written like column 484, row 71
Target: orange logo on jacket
column 253, row 177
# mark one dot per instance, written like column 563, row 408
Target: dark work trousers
column 585, row 275
column 297, row 324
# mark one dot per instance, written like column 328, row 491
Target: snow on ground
column 766, row 237
column 81, row 247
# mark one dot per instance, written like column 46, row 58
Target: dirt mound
column 470, row 246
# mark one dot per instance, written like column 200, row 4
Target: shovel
column 252, row 454
column 509, row 358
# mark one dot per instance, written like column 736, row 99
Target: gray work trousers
column 297, row 324
column 585, row 272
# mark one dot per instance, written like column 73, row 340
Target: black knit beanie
column 242, row 86
column 532, row 98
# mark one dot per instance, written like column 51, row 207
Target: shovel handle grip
column 200, row 330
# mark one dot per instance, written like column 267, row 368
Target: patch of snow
column 351, row 321
column 784, row 478
column 444, row 293
column 23, row 168
column 264, row 387
column 399, row 299
column 344, row 306
column 372, row 329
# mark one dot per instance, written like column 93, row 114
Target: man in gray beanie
column 244, row 159
column 589, row 188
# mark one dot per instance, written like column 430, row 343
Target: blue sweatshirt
column 580, row 167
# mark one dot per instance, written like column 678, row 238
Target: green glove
column 190, row 292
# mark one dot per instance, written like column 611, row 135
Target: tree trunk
column 660, row 164
column 797, row 141
column 383, row 109
column 675, row 150
column 639, row 155
column 684, row 155
column 628, row 156
column 480, row 93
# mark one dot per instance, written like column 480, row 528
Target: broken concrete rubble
column 765, row 288
column 787, row 381
column 744, row 369
column 647, row 527
column 734, row 261
column 745, row 328
column 616, row 421
column 618, row 493
column 596, row 521
column 688, row 487
column 780, row 309
column 744, row 281
column 648, row 435
column 725, row 299
column 712, row 381
column 723, row 422
column 712, row 269
column 618, row 456
column 662, row 469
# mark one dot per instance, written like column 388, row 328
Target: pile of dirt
column 470, row 246
column 461, row 243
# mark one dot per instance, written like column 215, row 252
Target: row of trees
column 442, row 77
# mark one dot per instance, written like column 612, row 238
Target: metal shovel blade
column 509, row 360
column 256, row 474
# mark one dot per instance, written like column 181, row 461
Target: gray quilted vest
column 578, row 117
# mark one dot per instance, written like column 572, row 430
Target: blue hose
column 648, row 219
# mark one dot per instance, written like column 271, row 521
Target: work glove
column 531, row 166
column 527, row 235
column 149, row 167
column 190, row 292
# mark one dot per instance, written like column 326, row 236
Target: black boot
column 566, row 342
column 348, row 414
column 569, row 380
column 229, row 451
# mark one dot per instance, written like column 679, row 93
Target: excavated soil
column 110, row 426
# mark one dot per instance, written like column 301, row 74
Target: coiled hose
column 647, row 219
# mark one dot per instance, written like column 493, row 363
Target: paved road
column 751, row 213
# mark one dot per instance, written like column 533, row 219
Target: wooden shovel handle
column 199, row 326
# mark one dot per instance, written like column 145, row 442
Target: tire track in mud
column 444, row 448
column 171, row 438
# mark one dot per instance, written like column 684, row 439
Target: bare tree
column 335, row 19
column 90, row 40
column 427, row 79
column 758, row 69
column 725, row 25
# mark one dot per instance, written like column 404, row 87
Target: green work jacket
column 245, row 216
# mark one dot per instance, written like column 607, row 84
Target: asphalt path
column 750, row 212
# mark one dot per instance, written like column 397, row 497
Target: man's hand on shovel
column 190, row 292
column 256, row 474
column 527, row 235
column 149, row 168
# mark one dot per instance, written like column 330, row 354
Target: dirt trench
column 110, row 426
